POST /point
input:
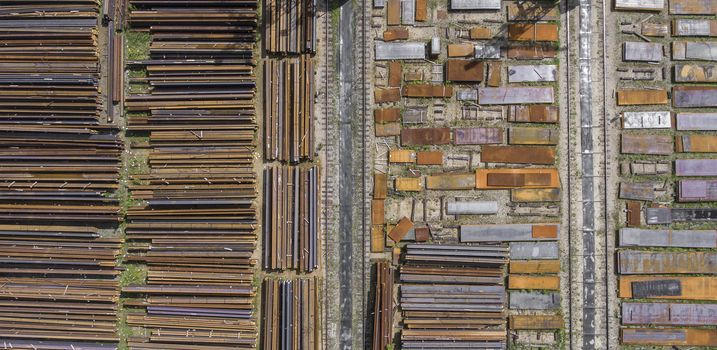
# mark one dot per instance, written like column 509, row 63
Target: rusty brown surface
column 429, row 158
column 380, row 186
column 395, row 71
column 388, row 129
column 450, row 181
column 533, row 32
column 494, row 74
column 501, row 178
column 425, row 136
column 646, row 144
column 518, row 154
column 427, row 90
column 382, row 95
column 401, row 229
column 533, row 114
column 632, row 97
column 394, row 34
column 386, row 115
column 536, row 322
column 461, row 50
column 464, row 70
column 480, row 33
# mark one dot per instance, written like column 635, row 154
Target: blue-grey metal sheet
column 635, row 237
column 697, row 190
column 379, row 3
column 487, row 50
column 696, row 167
column 408, row 12
column 669, row 314
column 653, row 336
column 636, row 51
column 472, row 207
column 634, row 262
column 499, row 233
column 534, row 300
column 400, row 50
column 467, row 95
column 515, row 95
column 692, row 50
column 532, row 73
column 696, row 121
column 691, row 27
column 475, row 4
column 534, row 250
column 695, row 97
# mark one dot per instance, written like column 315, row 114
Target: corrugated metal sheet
column 644, row 191
column 472, row 207
column 634, row 97
column 429, row 158
column 403, row 50
column 518, row 154
column 694, row 27
column 534, row 301
column 461, row 50
column 698, row 51
column 697, row 190
column 508, row 232
column 533, row 11
column 535, row 195
column 658, row 216
column 533, row 114
column 475, row 4
column 427, row 90
column 693, row 7
column 634, row 213
column 634, row 237
column 696, row 167
column 646, row 144
column 499, row 178
column 533, row 32
column 408, row 12
column 642, row 51
column 531, row 52
column 532, row 73
column 515, row 95
column 533, row 136
column 388, row 129
column 696, row 143
column 425, row 136
column 411, row 184
column 696, row 121
column 477, row 136
column 487, row 51
column 669, row 314
column 692, row 287
column 465, row 70
column 647, row 120
column 632, row 262
column 528, row 282
column 536, row 322
column 696, row 73
column 640, row 5
column 450, row 182
column 533, row 250
column 667, row 337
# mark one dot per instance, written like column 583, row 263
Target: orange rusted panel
column 421, row 10
column 450, row 182
column 411, row 184
column 497, row 179
column 535, row 195
column 533, row 136
column 531, row 52
column 533, row 114
column 494, row 74
column 461, row 50
column 429, row 158
column 395, row 34
column 669, row 336
column 633, row 97
column 394, row 74
column 464, row 70
column 533, row 11
column 386, row 115
column 382, row 95
column 518, row 154
column 380, row 186
column 388, row 129
column 536, row 322
column 533, row 282
column 415, row 75
column 534, row 266
column 401, row 156
column 378, row 241
column 633, row 213
column 545, row 231
column 646, row 144
column 696, row 143
column 533, row 32
column 426, row 136
column 423, row 234
column 393, row 12
column 692, row 287
column 427, row 90
column 378, row 216
column 480, row 33
column 401, row 229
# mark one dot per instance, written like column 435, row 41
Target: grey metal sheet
column 634, row 237
column 532, row 73
column 693, row 7
column 499, row 233
column 414, row 115
column 653, row 5
column 669, row 314
column 487, row 51
column 642, row 52
column 656, row 288
column 515, row 95
column 647, row 120
column 400, row 50
column 643, row 191
column 696, row 167
column 533, row 250
column 697, row 214
column 477, row 136
column 379, row 3
column 475, row 4
column 691, row 27
column 435, row 45
column 408, row 12
column 696, row 121
column 634, row 262
column 472, row 207
column 658, row 216
column 654, row 336
column 467, row 95
column 697, row 190
column 534, row 301
column 691, row 50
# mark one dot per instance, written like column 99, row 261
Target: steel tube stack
column 383, row 306
column 291, row 314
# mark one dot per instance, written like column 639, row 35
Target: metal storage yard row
column 289, row 26
column 291, row 314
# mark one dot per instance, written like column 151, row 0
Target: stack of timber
column 289, row 26
column 383, row 307
column 291, row 196
column 291, row 316
column 195, row 225
column 453, row 297
column 289, row 109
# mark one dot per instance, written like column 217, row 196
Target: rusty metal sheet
column 697, row 190
column 464, row 70
column 669, row 337
column 694, row 27
column 696, row 121
column 480, row 33
column 461, row 50
column 535, row 195
column 534, row 266
column 421, row 10
column 380, row 186
column 386, row 115
column 401, row 156
column 533, row 136
column 383, row 95
column 500, row 178
column 634, row 211
column 696, row 167
column 696, row 143
column 388, row 129
column 471, row 207
column 528, row 282
column 534, row 300
column 515, row 95
column 532, row 73
column 643, row 191
column 425, row 136
column 378, row 211
column 427, row 90
column 450, row 182
column 634, row 262
column 494, row 74
column 640, row 5
column 409, row 184
column 533, row 114
column 531, row 52
column 696, row 73
column 400, row 50
column 518, row 154
column 475, row 4
column 533, row 250
column 393, row 12
column 508, row 232
column 633, row 97
column 691, row 288
column 378, row 241
column 477, row 136
column 647, row 120
column 429, row 158
column 655, row 29
column 694, row 51
column 634, row 237
column 395, row 72
column 693, row 7
column 533, row 11
column 394, row 34
column 638, row 51
column 533, row 32
column 401, row 229
column 646, row 144
column 536, row 322
column 669, row 314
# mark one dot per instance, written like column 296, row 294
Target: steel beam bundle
column 383, row 307
column 291, row 318
column 289, row 26
column 453, row 297
column 289, row 109
column 291, row 197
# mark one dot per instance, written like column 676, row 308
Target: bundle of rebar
column 289, row 26
column 383, row 307
column 291, row 314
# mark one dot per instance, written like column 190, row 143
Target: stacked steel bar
column 291, row 218
column 289, row 26
column 291, row 314
column 195, row 226
column 453, row 297
column 289, row 109
column 383, row 307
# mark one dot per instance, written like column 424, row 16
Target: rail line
column 569, row 177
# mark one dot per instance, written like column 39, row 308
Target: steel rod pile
column 289, row 109
column 289, row 26
column 453, row 297
column 291, row 196
column 291, row 314
column 195, row 226
column 383, row 307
